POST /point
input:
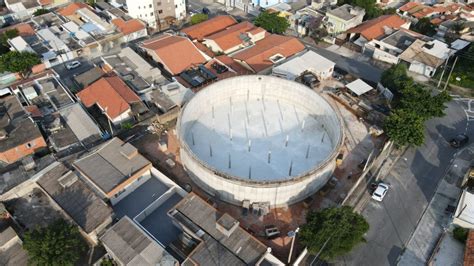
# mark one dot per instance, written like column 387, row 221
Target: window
column 145, row 15
column 151, row 14
column 160, row 11
column 138, row 7
column 28, row 145
column 150, row 6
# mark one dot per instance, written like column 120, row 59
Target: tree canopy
column 58, row 244
column 198, row 18
column 8, row 34
column 40, row 12
column 424, row 26
column 405, row 127
column 272, row 22
column 333, row 231
column 412, row 106
column 15, row 61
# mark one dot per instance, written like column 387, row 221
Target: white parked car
column 380, row 192
column 73, row 65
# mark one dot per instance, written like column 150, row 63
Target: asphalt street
column 360, row 69
column 413, row 182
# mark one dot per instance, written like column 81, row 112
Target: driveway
column 413, row 182
column 67, row 75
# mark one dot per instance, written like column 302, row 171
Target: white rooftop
column 459, row 44
column 308, row 61
column 20, row 44
column 465, row 209
column 439, row 49
column 359, row 87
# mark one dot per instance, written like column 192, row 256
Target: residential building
column 267, row 52
column 77, row 200
column 23, row 9
column 157, row 13
column 19, row 135
column 425, row 57
column 114, row 169
column 134, row 70
column 217, row 234
column 131, row 29
column 343, row 18
column 112, row 96
column 310, row 62
column 375, row 29
column 11, row 248
column 208, row 27
column 469, row 249
column 176, row 53
column 234, row 38
column 463, row 216
column 389, row 48
column 128, row 244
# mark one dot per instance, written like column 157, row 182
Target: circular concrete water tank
column 259, row 138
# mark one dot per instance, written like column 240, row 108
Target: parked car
column 380, row 192
column 73, row 64
column 459, row 141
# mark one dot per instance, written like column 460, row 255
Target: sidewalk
column 435, row 220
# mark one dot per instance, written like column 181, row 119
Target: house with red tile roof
column 112, row 96
column 131, row 29
column 208, row 27
column 273, row 49
column 71, row 9
column 176, row 53
column 376, row 28
column 234, row 38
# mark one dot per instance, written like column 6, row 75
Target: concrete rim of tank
column 270, row 183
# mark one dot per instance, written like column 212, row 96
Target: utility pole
column 442, row 73
column 450, row 72
column 292, row 234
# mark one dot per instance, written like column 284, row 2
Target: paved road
column 413, row 181
column 360, row 69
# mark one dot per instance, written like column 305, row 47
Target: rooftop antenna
column 269, row 156
column 250, row 172
column 322, row 139
column 249, row 145
column 287, row 139
column 302, row 125
column 192, row 137
column 210, row 149
column 307, row 151
column 230, row 164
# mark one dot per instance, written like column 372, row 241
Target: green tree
column 405, row 127
column 422, row 101
column 424, row 26
column 395, row 78
column 333, row 231
column 58, row 244
column 272, row 22
column 8, row 34
column 15, row 61
column 458, row 27
column 198, row 18
column 40, row 12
